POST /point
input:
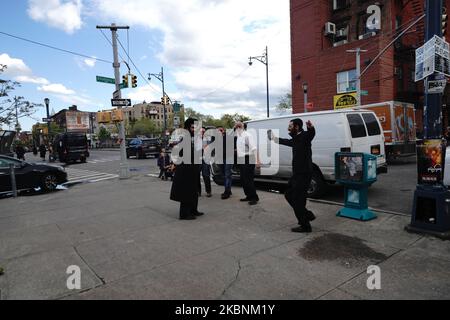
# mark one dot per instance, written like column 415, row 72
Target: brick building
column 323, row 30
column 153, row 111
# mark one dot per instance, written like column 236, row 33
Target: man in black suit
column 302, row 169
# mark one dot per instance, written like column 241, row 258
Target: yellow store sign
column 346, row 100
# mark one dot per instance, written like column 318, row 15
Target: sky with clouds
column 203, row 46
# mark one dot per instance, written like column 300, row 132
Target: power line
column 54, row 48
column 137, row 69
column 226, row 84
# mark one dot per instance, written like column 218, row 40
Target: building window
column 346, row 81
column 340, row 4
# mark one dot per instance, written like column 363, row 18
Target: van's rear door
column 367, row 135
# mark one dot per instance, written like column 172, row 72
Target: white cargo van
column 336, row 131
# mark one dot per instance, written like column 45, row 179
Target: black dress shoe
column 225, row 196
column 191, row 217
column 253, row 202
column 209, row 195
column 302, row 229
column 198, row 214
column 244, row 200
column 310, row 215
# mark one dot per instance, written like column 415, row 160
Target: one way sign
column 121, row 102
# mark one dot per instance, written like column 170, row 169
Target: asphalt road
column 393, row 191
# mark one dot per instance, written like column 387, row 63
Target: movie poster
column 430, row 161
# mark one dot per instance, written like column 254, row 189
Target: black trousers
column 248, row 181
column 296, row 195
column 188, row 208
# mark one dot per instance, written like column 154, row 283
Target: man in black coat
column 302, row 169
column 186, row 180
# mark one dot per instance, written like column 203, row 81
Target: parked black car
column 141, row 148
column 30, row 175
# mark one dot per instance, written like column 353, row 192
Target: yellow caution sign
column 346, row 100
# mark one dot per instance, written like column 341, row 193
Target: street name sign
column 48, row 120
column 121, row 102
column 106, row 80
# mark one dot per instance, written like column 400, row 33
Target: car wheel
column 49, row 182
column 317, row 186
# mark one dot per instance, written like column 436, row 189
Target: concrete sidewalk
column 129, row 244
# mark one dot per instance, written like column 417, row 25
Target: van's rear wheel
column 317, row 186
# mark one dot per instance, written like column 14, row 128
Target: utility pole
column 124, row 165
column 431, row 198
column 160, row 77
column 264, row 59
column 358, row 73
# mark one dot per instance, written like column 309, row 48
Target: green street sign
column 364, row 92
column 123, row 86
column 106, row 80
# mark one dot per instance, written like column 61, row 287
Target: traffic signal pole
column 431, row 198
column 124, row 165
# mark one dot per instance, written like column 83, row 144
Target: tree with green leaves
column 104, row 134
column 285, row 103
column 144, row 127
column 13, row 108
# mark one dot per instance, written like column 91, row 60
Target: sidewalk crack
column 234, row 280
column 90, row 268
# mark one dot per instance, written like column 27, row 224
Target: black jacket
column 186, row 180
column 301, row 151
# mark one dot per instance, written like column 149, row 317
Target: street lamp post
column 305, row 96
column 160, row 77
column 47, row 104
column 264, row 59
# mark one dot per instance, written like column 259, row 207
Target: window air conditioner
column 330, row 28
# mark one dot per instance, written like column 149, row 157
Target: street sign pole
column 431, row 198
column 124, row 165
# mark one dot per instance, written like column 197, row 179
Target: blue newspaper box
column 356, row 172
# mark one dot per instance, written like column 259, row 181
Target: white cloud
column 206, row 44
column 56, row 88
column 61, row 14
column 146, row 93
column 19, row 71
column 89, row 62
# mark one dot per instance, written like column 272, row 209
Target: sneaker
column 302, row 229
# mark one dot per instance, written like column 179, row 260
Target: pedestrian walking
column 35, row 150
column 205, row 169
column 302, row 169
column 226, row 166
column 248, row 160
column 185, row 183
column 42, row 151
column 163, row 164
column 20, row 152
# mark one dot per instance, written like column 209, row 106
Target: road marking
column 79, row 176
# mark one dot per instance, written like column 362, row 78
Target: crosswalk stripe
column 79, row 175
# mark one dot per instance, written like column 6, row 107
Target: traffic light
column 165, row 100
column 444, row 21
column 133, row 81
column 125, row 80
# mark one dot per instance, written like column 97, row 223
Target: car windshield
column 150, row 141
column 5, row 162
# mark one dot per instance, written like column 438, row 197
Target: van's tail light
column 375, row 150
column 346, row 149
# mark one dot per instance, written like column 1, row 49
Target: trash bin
column 356, row 172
